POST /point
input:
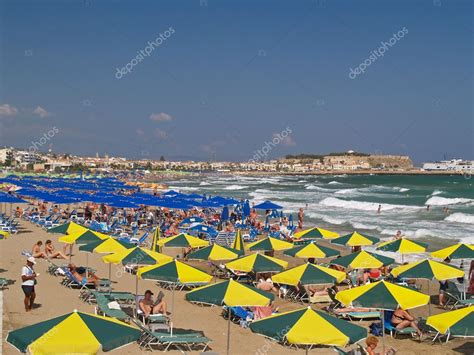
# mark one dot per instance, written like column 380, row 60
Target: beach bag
column 376, row 329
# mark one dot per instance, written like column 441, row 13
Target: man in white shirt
column 28, row 278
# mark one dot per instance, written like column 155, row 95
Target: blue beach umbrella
column 225, row 213
column 268, row 205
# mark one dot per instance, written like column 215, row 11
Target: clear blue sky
column 235, row 73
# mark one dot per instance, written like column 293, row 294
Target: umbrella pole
column 87, row 265
column 429, row 301
column 136, row 295
column 383, row 330
column 110, row 277
column 306, row 349
column 228, row 330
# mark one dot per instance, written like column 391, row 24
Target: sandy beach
column 53, row 299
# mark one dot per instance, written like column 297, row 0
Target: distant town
column 12, row 159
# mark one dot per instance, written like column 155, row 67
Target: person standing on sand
column 300, row 218
column 28, row 278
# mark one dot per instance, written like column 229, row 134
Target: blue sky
column 233, row 74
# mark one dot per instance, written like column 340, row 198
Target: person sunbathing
column 353, row 309
column 147, row 306
column 266, row 285
column 51, row 252
column 401, row 319
column 36, row 252
column 80, row 273
column 314, row 290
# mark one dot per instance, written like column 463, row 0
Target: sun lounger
column 181, row 339
column 391, row 328
column 454, row 298
column 102, row 307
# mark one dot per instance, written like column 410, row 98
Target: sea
column 347, row 203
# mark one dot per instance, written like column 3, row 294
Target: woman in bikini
column 401, row 319
column 51, row 253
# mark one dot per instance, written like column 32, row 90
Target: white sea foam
column 459, row 217
column 361, row 205
column 346, row 191
column 334, row 183
column 443, row 201
column 403, row 189
column 357, row 225
column 204, row 183
column 436, row 192
column 235, row 187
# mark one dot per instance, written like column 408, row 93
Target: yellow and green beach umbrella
column 257, row 263
column 83, row 237
column 311, row 250
column 174, row 271
column 156, row 238
column 362, row 260
column 215, row 252
column 136, row 256
column 428, row 269
column 68, row 228
column 4, row 234
column 458, row 251
column 73, row 333
column 309, row 274
column 458, row 323
column 403, row 246
column 355, row 239
column 382, row 295
column 182, row 241
column 269, row 244
column 106, row 246
column 315, row 233
column 238, row 243
column 307, row 326
column 230, row 293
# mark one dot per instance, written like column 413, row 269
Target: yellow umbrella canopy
column 315, row 233
column 457, row 251
column 269, row 244
column 309, row 274
column 257, row 263
column 428, row 269
column 382, row 295
column 137, row 256
column 174, row 271
column 182, row 241
column 306, row 326
column 403, row 246
column 457, row 323
column 83, row 237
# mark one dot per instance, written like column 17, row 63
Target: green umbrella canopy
column 309, row 274
column 67, row 228
column 362, row 260
column 82, row 332
column 210, row 253
column 355, row 239
column 89, row 247
column 328, row 252
column 174, row 271
column 299, row 327
column 428, row 269
column 231, row 293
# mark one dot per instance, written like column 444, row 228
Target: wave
column 442, row 201
column 357, row 225
column 235, row 187
column 404, row 189
column 334, row 183
column 459, row 217
column 326, row 218
column 361, row 205
column 204, row 183
column 345, row 191
column 183, row 188
column 436, row 192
